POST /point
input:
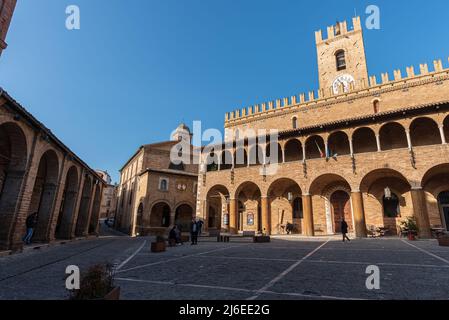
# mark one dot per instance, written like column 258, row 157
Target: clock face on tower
column 345, row 80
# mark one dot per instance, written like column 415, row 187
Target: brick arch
column 393, row 136
column 312, row 151
column 338, row 143
column 69, row 197
column 13, row 161
column 95, row 215
column 293, row 150
column 436, row 179
column 83, row 211
column 44, row 193
column 376, row 174
column 320, row 182
column 364, row 140
column 160, row 213
column 226, row 160
column 274, row 159
column 424, row 131
column 251, row 188
column 214, row 201
column 331, row 222
column 446, row 128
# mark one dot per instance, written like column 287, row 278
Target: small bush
column 95, row 284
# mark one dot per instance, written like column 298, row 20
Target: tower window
column 376, row 106
column 295, row 123
column 341, row 60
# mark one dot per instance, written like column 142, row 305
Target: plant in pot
column 410, row 227
column 159, row 245
column 97, row 284
column 443, row 240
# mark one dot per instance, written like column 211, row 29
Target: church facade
column 370, row 150
column 155, row 193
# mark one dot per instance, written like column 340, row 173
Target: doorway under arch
column 341, row 208
column 183, row 217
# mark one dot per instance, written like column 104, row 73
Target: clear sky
column 138, row 68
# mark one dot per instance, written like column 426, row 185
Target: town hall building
column 367, row 149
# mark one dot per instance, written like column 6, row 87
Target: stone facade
column 155, row 193
column 372, row 151
column 107, row 207
column 38, row 173
column 6, row 12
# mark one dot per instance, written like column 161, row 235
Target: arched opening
column 240, row 158
column 443, row 203
column 293, row 151
column 160, row 215
column 139, row 219
column 295, row 123
column 341, row 208
column 392, row 136
column 183, row 217
column 315, row 148
column 256, row 156
column 95, row 216
column 13, row 159
column 44, row 193
column 364, row 140
column 338, row 144
column 226, row 160
column 388, row 195
column 424, row 132
column 376, row 106
column 68, row 204
column 285, row 206
column 83, row 212
column 248, row 197
column 217, row 215
column 330, row 194
column 436, row 186
column 340, row 60
column 273, row 153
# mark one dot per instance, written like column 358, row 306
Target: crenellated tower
column 341, row 56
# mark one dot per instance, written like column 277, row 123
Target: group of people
column 196, row 227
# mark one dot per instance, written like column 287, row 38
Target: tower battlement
column 338, row 30
column 371, row 85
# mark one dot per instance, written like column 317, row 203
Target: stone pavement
column 286, row 268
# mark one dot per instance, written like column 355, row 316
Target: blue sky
column 138, row 68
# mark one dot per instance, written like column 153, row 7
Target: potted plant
column 97, row 284
column 159, row 245
column 262, row 238
column 410, row 227
column 443, row 240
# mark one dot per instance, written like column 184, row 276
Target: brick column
column 359, row 214
column 266, row 216
column 420, row 212
column 233, row 212
column 308, row 215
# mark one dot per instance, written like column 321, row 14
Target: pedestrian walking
column 344, row 230
column 194, row 232
column 31, row 223
column 200, row 226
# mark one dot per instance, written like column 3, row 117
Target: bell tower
column 6, row 11
column 341, row 57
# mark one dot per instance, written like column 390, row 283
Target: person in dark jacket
column 31, row 223
column 344, row 230
column 200, row 224
column 194, row 229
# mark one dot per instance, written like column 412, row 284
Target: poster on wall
column 250, row 219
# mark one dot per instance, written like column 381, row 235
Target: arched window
column 163, row 185
column 341, row 60
column 376, row 106
column 295, row 123
column 391, row 206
